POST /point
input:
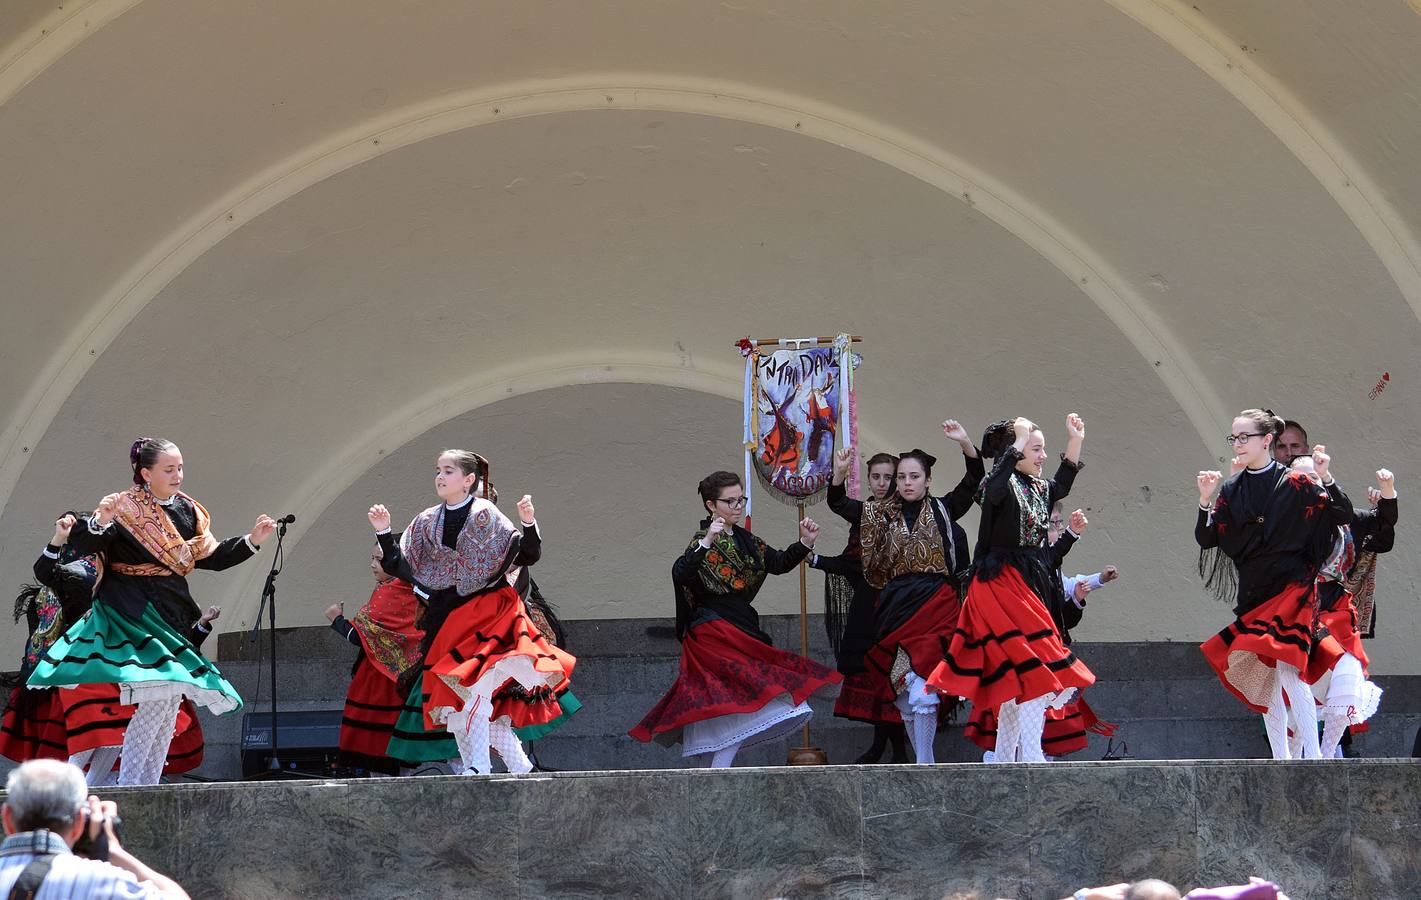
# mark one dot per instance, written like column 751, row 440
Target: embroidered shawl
column 890, row 549
column 387, row 629
column 142, row 516
column 487, row 543
column 1033, row 498
column 727, row 568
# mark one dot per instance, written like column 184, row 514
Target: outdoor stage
column 1337, row 829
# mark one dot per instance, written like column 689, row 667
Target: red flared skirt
column 1066, row 728
column 482, row 643
column 922, row 638
column 1340, row 635
column 1245, row 655
column 33, row 726
column 94, row 718
column 1005, row 647
column 724, row 671
column 861, row 698
column 372, row 706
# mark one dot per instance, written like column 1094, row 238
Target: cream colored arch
column 720, row 378
column 1190, row 34
column 42, row 44
column 1087, row 269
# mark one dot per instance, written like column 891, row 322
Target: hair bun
column 133, row 451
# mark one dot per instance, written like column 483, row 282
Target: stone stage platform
column 1340, row 829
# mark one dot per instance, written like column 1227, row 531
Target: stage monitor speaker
column 309, row 741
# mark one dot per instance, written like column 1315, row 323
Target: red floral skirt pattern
column 861, row 698
column 723, row 671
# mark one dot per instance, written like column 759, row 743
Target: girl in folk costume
column 1007, row 651
column 1065, row 728
column 734, row 689
column 385, row 631
column 851, row 619
column 914, row 554
column 1351, row 697
column 1262, row 543
column 91, row 719
column 486, row 669
column 142, row 633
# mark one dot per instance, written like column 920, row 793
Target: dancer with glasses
column 734, row 688
column 1262, row 544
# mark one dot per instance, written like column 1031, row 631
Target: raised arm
column 1206, row 530
column 238, row 549
column 1339, row 508
column 94, row 534
column 840, row 503
column 530, row 549
column 778, row 562
column 392, row 561
column 44, row 566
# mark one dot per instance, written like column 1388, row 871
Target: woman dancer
column 913, row 553
column 384, row 629
column 1261, row 544
column 851, row 619
column 734, row 689
column 142, row 631
column 1007, row 651
column 486, row 670
column 1352, row 698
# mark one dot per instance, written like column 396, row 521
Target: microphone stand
column 268, row 605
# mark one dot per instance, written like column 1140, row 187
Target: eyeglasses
column 1232, row 439
column 732, row 502
column 1057, row 523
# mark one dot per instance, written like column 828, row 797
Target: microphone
column 287, row 519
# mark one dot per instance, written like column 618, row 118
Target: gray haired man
column 47, row 809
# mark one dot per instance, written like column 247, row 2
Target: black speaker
column 309, row 740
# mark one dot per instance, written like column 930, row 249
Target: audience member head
column 48, row 794
column 1152, row 889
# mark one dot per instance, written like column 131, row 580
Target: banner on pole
column 798, row 408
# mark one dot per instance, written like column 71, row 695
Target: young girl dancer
column 142, row 633
column 1007, row 651
column 487, row 670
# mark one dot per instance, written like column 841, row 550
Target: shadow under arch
column 1162, row 352
column 457, row 398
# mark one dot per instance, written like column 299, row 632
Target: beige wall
column 313, row 244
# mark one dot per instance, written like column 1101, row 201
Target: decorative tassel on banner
column 752, row 357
